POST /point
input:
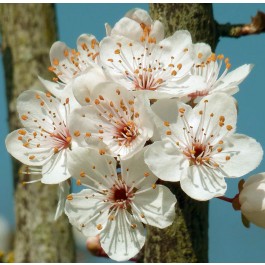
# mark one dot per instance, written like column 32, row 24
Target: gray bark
column 28, row 31
column 186, row 240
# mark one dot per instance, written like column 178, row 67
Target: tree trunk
column 186, row 240
column 28, row 31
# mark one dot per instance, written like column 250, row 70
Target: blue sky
column 229, row 240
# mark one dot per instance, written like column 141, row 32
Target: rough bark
column 186, row 240
column 28, row 30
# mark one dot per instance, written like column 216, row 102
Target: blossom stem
column 223, row 198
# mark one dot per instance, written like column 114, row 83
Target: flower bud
column 252, row 199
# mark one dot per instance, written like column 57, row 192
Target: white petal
column 63, row 191
column 128, row 28
column 85, row 120
column 108, row 29
column 202, row 183
column 86, row 212
column 55, row 88
column 219, row 104
column 167, row 110
column 157, row 31
column 119, row 240
column 31, row 156
column 166, row 161
column 157, row 205
column 134, row 170
column 230, row 82
column 55, row 170
column 202, row 51
column 91, row 46
column 257, row 218
column 175, row 46
column 57, row 54
column 139, row 15
column 252, row 197
column 36, row 105
column 245, row 155
column 98, row 168
column 257, row 178
column 84, row 85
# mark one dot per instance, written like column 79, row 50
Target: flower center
column 197, row 154
column 145, row 69
column 127, row 133
column 61, row 140
column 198, row 150
column 120, row 195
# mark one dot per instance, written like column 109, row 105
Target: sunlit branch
column 256, row 26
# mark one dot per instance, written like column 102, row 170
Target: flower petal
column 252, row 197
column 245, row 155
column 157, row 31
column 55, row 88
column 84, row 85
column 134, row 170
column 86, row 211
column 166, row 161
column 139, row 15
column 256, row 218
column 63, row 191
column 203, row 183
column 35, row 107
column 167, row 118
column 128, row 28
column 55, row 170
column 91, row 168
column 179, row 45
column 24, row 152
column 201, row 51
column 157, row 206
column 218, row 104
column 87, row 46
column 229, row 83
column 121, row 241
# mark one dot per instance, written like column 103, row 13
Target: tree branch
column 256, row 26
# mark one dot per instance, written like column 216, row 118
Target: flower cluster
column 129, row 109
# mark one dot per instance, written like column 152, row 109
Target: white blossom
column 68, row 63
column 115, row 122
column 45, row 139
column 116, row 204
column 80, row 69
column 137, row 25
column 199, row 147
column 208, row 67
column 157, row 69
column 252, row 199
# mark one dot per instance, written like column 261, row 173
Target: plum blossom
column 115, row 122
column 45, row 139
column 69, row 63
column 156, row 69
column 252, row 199
column 79, row 68
column 116, row 204
column 208, row 67
column 138, row 26
column 199, row 147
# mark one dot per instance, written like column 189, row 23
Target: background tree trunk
column 186, row 240
column 28, row 31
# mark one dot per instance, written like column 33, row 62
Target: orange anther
column 76, row 133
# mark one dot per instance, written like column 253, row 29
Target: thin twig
column 256, row 26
